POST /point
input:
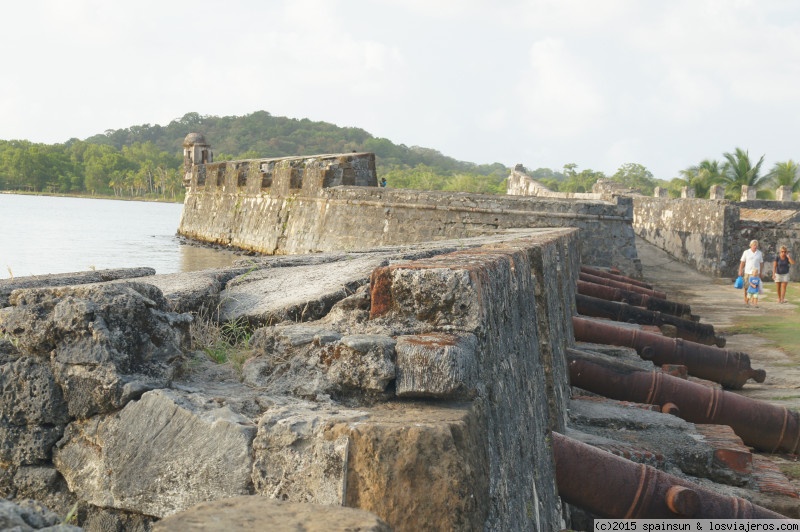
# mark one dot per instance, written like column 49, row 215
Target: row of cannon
column 675, row 337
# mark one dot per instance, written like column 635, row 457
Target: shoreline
column 96, row 196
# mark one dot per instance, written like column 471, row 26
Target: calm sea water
column 44, row 234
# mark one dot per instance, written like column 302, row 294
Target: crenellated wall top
column 282, row 176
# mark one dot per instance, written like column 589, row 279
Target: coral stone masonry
column 332, row 202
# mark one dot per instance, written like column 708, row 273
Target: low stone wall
column 426, row 399
column 235, row 208
column 519, row 183
column 695, row 231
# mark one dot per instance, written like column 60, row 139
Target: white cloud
column 541, row 82
column 558, row 91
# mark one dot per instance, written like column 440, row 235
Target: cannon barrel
column 613, row 487
column 617, row 284
column 634, row 298
column 759, row 424
column 729, row 368
column 702, row 333
column 615, row 277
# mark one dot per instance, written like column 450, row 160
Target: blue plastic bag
column 739, row 283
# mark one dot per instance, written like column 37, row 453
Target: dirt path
column 718, row 303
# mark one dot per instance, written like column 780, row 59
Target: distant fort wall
column 332, row 202
column 710, row 235
column 695, row 231
column 707, row 234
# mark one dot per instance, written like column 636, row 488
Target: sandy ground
column 716, row 302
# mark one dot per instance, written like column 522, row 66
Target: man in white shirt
column 752, row 259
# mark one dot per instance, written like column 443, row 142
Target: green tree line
column 630, row 175
column 735, row 170
column 84, row 168
column 146, row 160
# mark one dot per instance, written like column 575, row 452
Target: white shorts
column 781, row 278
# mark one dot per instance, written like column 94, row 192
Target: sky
column 544, row 83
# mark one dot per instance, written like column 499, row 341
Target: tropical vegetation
column 145, row 161
column 786, row 174
column 736, row 170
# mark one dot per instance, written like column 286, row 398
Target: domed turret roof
column 194, row 138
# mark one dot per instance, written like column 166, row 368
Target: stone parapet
column 352, row 218
column 508, row 300
column 280, row 177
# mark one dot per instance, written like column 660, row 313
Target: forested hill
column 147, row 161
column 262, row 135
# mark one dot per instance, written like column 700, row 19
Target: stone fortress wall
column 707, row 234
column 422, row 382
column 332, row 202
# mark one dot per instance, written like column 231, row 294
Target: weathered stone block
column 159, row 455
column 29, row 515
column 106, row 344
column 783, row 193
column 28, row 444
column 421, row 466
column 300, row 454
column 364, row 362
column 437, row 365
column 29, row 394
column 313, row 361
column 440, row 296
column 243, row 513
column 716, row 192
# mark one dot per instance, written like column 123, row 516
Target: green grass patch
column 785, row 397
column 224, row 343
column 791, row 470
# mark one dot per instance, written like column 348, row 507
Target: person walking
column 752, row 259
column 780, row 272
column 754, row 288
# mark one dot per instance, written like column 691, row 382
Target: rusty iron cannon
column 729, row 368
column 612, row 487
column 759, row 424
column 702, row 333
column 611, row 293
column 616, row 277
column 617, row 284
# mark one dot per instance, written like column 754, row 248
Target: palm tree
column 786, row 174
column 700, row 177
column 738, row 171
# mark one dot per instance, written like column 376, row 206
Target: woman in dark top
column 780, row 272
